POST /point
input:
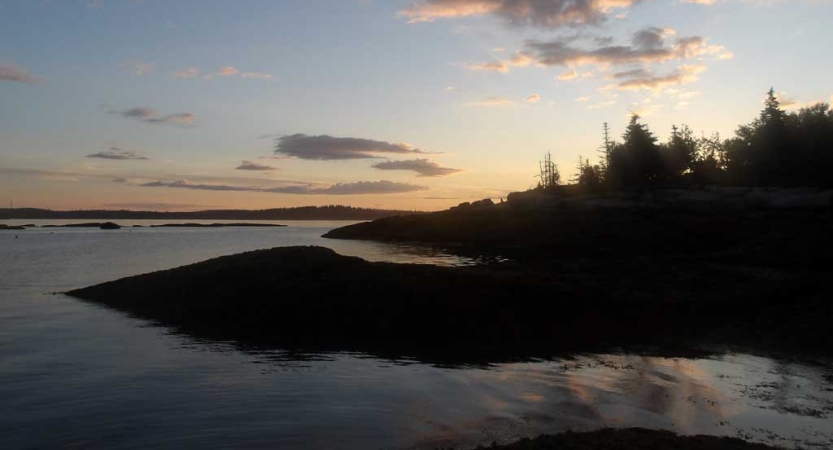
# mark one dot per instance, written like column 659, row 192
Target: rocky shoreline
column 311, row 297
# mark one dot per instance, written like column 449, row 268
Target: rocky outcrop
column 309, row 296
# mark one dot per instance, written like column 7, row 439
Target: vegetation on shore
column 775, row 149
column 629, row 439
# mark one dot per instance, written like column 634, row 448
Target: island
column 115, row 226
column 218, row 225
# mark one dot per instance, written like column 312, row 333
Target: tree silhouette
column 549, row 175
column 637, row 160
column 680, row 153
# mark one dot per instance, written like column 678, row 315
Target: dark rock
column 110, row 226
column 310, row 296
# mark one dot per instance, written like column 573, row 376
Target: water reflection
column 758, row 399
column 74, row 375
column 405, row 253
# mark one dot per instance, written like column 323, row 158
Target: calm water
column 77, row 376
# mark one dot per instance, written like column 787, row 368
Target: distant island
column 115, row 226
column 332, row 212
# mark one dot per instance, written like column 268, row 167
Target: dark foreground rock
column 630, row 439
column 313, row 297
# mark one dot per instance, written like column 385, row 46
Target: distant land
column 300, row 213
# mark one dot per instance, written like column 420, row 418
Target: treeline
column 777, row 149
column 331, row 212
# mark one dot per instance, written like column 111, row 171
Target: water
column 74, row 375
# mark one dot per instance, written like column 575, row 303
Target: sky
column 401, row 104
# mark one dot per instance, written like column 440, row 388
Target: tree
column 680, row 153
column 637, row 160
column 710, row 159
column 550, row 177
column 761, row 156
column 589, row 176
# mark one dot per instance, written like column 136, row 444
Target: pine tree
column 637, row 159
column 680, row 152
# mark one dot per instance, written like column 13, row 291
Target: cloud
column 118, row 154
column 492, row 101
column 138, row 67
column 791, row 104
column 367, row 187
column 11, row 72
column 190, row 72
column 257, row 75
column 248, row 165
column 424, row 167
column 634, row 73
column 533, row 98
column 149, row 115
column 227, row 71
column 567, row 76
column 651, row 37
column 647, row 46
column 682, row 75
column 359, row 188
column 324, row 148
column 538, row 13
column 492, row 66
column 154, row 206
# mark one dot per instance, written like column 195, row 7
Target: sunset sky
column 407, row 104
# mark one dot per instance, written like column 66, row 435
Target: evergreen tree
column 637, row 160
column 680, row 153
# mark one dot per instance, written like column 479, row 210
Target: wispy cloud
column 149, row 115
column 539, row 13
column 119, row 154
column 190, row 72
column 150, row 206
column 492, row 101
column 358, row 188
column 248, row 165
column 257, row 75
column 11, row 72
column 682, row 75
column 650, row 45
column 424, row 167
column 230, row 71
column 326, row 147
column 138, row 67
column 227, row 71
